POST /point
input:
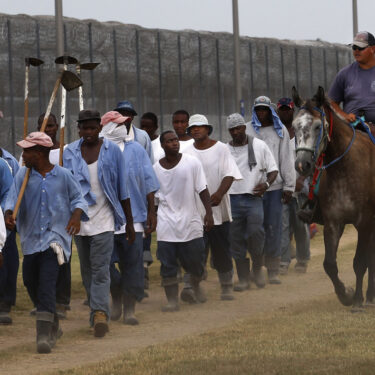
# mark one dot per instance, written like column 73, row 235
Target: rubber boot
column 258, row 274
column 273, row 267
column 171, row 291
column 146, row 279
column 56, row 331
column 187, row 294
column 44, row 323
column 129, row 308
column 61, row 311
column 226, row 283
column 116, row 309
column 5, row 318
column 198, row 291
column 243, row 272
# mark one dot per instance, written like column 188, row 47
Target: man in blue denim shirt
column 49, row 214
column 127, row 286
column 9, row 254
column 99, row 167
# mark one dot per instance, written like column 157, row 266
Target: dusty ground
column 78, row 346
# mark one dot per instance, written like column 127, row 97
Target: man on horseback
column 354, row 85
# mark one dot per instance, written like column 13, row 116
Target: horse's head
column 311, row 131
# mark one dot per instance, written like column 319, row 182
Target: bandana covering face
column 117, row 133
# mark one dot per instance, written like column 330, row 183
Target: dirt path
column 78, row 347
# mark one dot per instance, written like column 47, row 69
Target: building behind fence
column 158, row 70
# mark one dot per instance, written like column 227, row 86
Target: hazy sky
column 330, row 20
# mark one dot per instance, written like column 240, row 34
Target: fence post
column 251, row 98
column 138, row 67
column 115, row 63
column 282, row 71
column 218, row 87
column 40, row 99
column 160, row 85
column 296, row 65
column 91, row 71
column 267, row 70
column 11, row 93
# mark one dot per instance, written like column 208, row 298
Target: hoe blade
column 33, row 61
column 66, row 60
column 70, row 81
column 89, row 66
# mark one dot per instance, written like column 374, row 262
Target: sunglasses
column 356, row 48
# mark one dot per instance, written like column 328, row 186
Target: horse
column 346, row 193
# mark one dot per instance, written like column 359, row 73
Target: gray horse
column 346, row 191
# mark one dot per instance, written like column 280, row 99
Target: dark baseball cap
column 363, row 39
column 287, row 102
column 88, row 114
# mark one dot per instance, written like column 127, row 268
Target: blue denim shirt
column 111, row 174
column 141, row 179
column 46, row 208
column 6, row 180
column 11, row 160
column 143, row 139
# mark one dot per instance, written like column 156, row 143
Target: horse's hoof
column 347, row 298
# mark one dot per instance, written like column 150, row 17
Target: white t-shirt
column 265, row 164
column 217, row 163
column 185, row 144
column 178, row 217
column 159, row 152
column 100, row 214
column 157, row 149
column 3, row 231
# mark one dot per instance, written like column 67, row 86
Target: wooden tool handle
column 21, row 193
column 62, row 132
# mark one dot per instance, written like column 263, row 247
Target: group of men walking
column 118, row 184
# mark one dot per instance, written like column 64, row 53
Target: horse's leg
column 370, row 295
column 332, row 235
column 360, row 265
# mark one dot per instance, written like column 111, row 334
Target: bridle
column 325, row 133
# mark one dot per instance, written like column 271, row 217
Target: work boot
column 5, row 318
column 171, row 291
column 283, row 270
column 44, row 323
column 61, row 311
column 198, row 291
column 146, row 278
column 257, row 271
column 226, row 283
column 273, row 266
column 187, row 294
column 243, row 272
column 129, row 308
column 100, row 324
column 301, row 267
column 116, row 309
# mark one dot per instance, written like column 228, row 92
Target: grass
column 319, row 337
column 315, row 337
